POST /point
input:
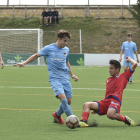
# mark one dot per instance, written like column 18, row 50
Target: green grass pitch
column 27, row 103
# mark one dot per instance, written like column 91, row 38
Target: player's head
column 114, row 67
column 49, row 9
column 43, row 9
column 63, row 38
column 129, row 37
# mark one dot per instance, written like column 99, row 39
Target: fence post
column 80, row 41
column 98, row 11
column 13, row 12
column 62, row 11
column 122, row 10
column 25, row 12
column 85, row 10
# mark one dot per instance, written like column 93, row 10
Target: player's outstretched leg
column 111, row 114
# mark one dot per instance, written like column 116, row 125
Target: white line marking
column 72, row 88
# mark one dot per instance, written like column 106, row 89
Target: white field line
column 72, row 88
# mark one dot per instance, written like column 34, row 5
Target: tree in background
column 135, row 11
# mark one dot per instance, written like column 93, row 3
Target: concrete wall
column 101, row 59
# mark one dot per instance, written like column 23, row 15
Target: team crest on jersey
column 64, row 53
column 56, row 91
column 118, row 76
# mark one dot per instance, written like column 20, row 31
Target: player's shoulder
column 50, row 47
column 133, row 42
column 125, row 42
column 66, row 48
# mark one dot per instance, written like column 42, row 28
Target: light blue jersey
column 56, row 61
column 129, row 48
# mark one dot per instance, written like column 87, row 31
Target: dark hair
column 62, row 34
column 129, row 34
column 115, row 63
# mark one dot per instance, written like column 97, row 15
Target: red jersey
column 115, row 85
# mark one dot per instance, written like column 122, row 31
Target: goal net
column 16, row 45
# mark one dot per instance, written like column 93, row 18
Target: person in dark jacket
column 44, row 16
column 49, row 15
column 55, row 16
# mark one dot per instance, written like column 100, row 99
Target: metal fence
column 97, row 11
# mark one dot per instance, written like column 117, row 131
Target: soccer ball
column 72, row 121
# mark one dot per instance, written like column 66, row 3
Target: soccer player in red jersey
column 113, row 97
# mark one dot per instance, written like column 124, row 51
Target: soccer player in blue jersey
column 57, row 55
column 1, row 61
column 128, row 47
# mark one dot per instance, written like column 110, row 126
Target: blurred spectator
column 50, row 14
column 44, row 17
column 55, row 16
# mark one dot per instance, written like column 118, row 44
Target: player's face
column 113, row 71
column 129, row 38
column 63, row 42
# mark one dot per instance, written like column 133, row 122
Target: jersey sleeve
column 67, row 58
column 44, row 51
column 128, row 73
column 122, row 46
column 135, row 47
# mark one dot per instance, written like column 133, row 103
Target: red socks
column 122, row 118
column 85, row 116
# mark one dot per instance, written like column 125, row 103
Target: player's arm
column 70, row 72
column 134, row 64
column 122, row 51
column 29, row 60
column 137, row 56
column 1, row 61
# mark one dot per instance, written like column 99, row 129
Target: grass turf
column 27, row 103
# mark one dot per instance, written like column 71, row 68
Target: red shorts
column 105, row 104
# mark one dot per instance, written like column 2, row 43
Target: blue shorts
column 61, row 86
column 127, row 64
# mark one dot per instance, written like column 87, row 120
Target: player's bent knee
column 111, row 116
column 85, row 105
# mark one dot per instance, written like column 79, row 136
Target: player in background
column 128, row 47
column 1, row 61
column 57, row 55
column 113, row 97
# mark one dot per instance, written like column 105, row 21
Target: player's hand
column 2, row 65
column 19, row 64
column 120, row 59
column 138, row 60
column 128, row 59
column 75, row 77
column 93, row 112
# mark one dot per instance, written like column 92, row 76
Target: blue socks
column 64, row 107
column 60, row 110
column 131, row 78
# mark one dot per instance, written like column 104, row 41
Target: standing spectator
column 55, row 16
column 129, row 47
column 50, row 14
column 44, row 17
